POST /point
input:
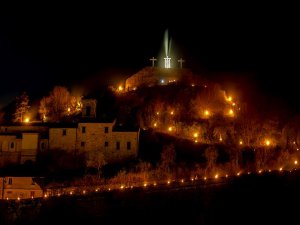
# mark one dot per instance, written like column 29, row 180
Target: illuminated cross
column 167, row 62
column 153, row 61
column 180, row 62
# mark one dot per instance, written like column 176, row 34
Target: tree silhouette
column 22, row 107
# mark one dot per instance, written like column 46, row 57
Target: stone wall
column 112, row 154
column 94, row 136
column 59, row 141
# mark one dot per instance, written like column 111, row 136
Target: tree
column 168, row 157
column 96, row 160
column 211, row 155
column 59, row 104
column 22, row 107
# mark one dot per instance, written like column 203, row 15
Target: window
column 12, row 145
column 83, row 130
column 106, row 130
column 106, row 144
column 64, row 132
column 118, row 145
column 128, row 145
column 42, row 145
column 82, row 144
column 9, row 180
column 88, row 111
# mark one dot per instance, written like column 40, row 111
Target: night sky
column 64, row 46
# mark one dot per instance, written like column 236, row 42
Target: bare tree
column 211, row 155
column 22, row 107
column 96, row 160
column 58, row 104
column 168, row 157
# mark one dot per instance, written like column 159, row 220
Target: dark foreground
column 269, row 198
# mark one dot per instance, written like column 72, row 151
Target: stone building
column 21, row 142
column 19, row 147
column 19, row 188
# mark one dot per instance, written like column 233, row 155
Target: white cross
column 180, row 62
column 167, row 62
column 153, row 61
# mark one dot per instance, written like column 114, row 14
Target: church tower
column 89, row 108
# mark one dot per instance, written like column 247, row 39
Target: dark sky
column 43, row 47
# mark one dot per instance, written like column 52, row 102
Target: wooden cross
column 153, row 61
column 180, row 62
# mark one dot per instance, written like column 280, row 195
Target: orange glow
column 196, row 141
column 27, row 120
column 295, row 162
column 84, row 192
column 233, row 104
column 71, row 192
column 238, row 173
column 231, row 112
column 172, row 112
column 155, row 124
column 170, row 129
column 169, row 182
column 195, row 135
column 45, row 195
column 280, row 169
column 182, row 180
column 226, row 175
column 120, row 88
column 267, row 142
column 122, row 187
column 18, row 198
column 241, row 142
column 69, row 109
column 220, row 139
column 145, row 184
column 216, row 176
column 205, row 178
column 154, row 184
column 260, row 171
column 228, row 99
column 206, row 113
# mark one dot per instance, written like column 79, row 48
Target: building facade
column 17, row 188
column 21, row 142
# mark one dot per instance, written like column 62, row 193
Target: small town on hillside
column 164, row 124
